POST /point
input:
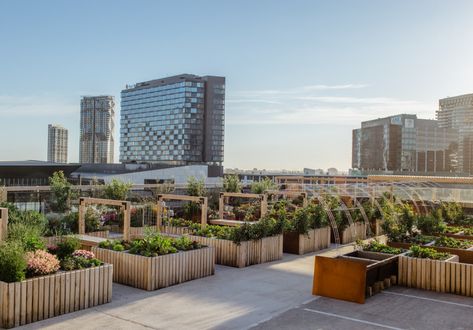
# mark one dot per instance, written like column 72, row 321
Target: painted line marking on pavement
column 352, row 319
column 428, row 299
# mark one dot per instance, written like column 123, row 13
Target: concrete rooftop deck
column 276, row 295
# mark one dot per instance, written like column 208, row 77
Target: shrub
column 83, row 254
column 185, row 244
column 62, row 191
column 91, row 219
column 116, row 190
column 41, row 263
column 12, row 262
column 66, row 246
column 428, row 225
column 28, row 235
column 259, row 187
column 427, row 253
column 231, row 183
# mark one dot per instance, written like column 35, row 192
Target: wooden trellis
column 125, row 206
column 3, row 223
column 202, row 201
column 290, row 193
column 221, row 206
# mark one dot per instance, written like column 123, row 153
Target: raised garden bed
column 354, row 276
column 151, row 273
column 48, row 296
column 353, row 232
column 437, row 275
column 314, row 240
column 53, row 239
column 246, row 253
column 138, row 232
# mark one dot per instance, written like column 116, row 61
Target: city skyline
column 311, row 70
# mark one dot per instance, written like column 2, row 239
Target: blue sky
column 300, row 74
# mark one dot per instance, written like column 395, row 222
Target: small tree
column 195, row 187
column 62, row 191
column 117, row 190
column 260, row 187
column 231, row 183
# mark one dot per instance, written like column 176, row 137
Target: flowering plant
column 84, row 254
column 41, row 262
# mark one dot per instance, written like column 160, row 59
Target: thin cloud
column 19, row 106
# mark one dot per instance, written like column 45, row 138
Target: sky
column 300, row 75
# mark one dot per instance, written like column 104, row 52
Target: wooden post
column 82, row 205
column 203, row 211
column 221, row 206
column 3, row 223
column 305, row 200
column 264, row 205
column 126, row 220
column 159, row 210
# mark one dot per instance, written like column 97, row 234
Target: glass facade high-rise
column 176, row 120
column 404, row 143
column 97, row 125
column 57, row 144
column 457, row 113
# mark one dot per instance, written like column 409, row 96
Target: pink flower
column 84, row 254
column 41, row 262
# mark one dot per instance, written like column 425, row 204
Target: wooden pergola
column 125, row 206
column 290, row 193
column 3, row 223
column 226, row 195
column 202, row 201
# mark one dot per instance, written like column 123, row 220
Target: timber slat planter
column 48, row 296
column 53, row 239
column 353, row 232
column 314, row 240
column 139, row 232
column 152, row 273
column 246, row 253
column 437, row 275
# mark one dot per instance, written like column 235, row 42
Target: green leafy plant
column 231, row 183
column 427, row 253
column 429, row 224
column 28, row 235
column 116, row 190
column 66, row 246
column 184, row 243
column 12, row 262
column 152, row 245
column 62, row 191
column 259, row 187
column 375, row 246
column 453, row 243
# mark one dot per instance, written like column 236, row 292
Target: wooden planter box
column 465, row 256
column 354, row 276
column 138, row 232
column 151, row 273
column 245, row 254
column 48, row 296
column 352, row 233
column 435, row 275
column 315, row 240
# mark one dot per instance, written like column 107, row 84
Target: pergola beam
column 170, row 197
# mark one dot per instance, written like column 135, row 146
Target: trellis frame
column 202, row 201
column 125, row 206
column 290, row 193
column 262, row 197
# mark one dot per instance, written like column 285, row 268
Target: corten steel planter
column 447, row 276
column 353, row 276
column 152, row 273
column 246, row 253
column 48, row 296
column 314, row 240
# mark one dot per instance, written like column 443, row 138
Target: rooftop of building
column 167, row 81
column 456, row 97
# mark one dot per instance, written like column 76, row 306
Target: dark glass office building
column 178, row 120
